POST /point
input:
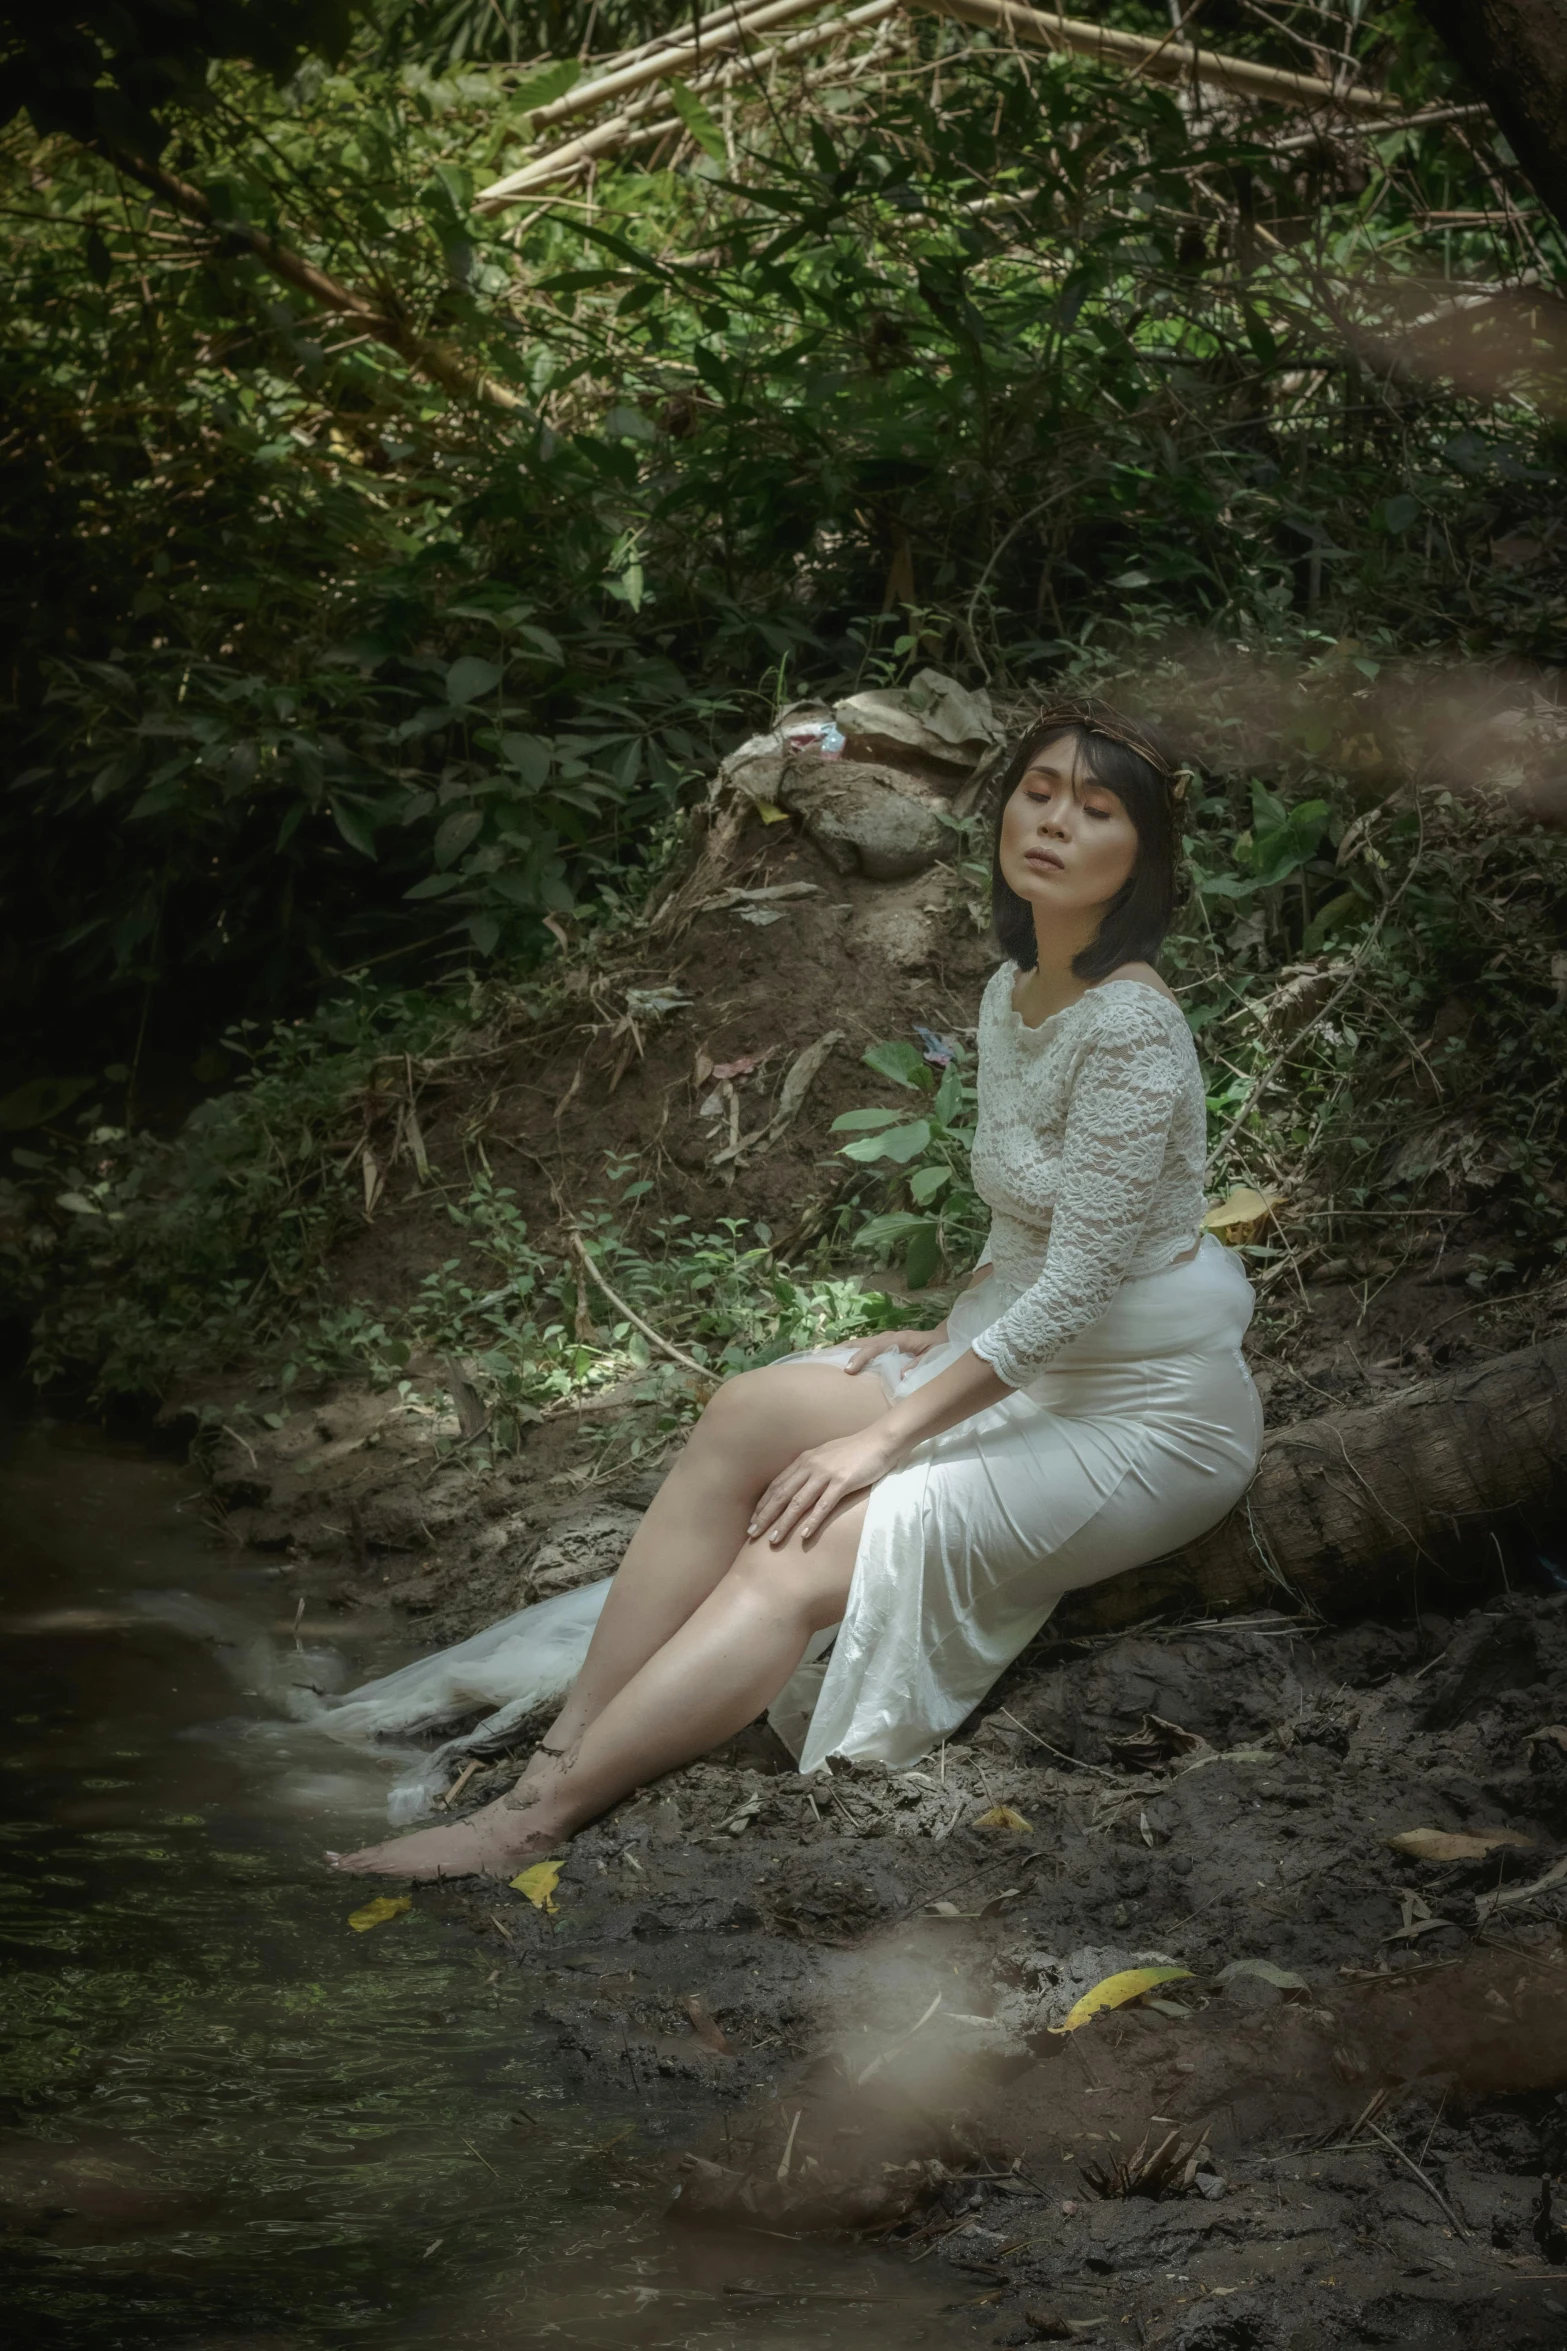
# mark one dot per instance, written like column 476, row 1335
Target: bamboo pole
column 607, row 137
column 690, row 53
column 1164, row 60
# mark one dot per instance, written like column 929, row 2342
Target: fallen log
column 1414, row 1503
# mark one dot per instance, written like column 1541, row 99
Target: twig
column 461, row 1781
column 1101, row 1769
column 1429, row 2185
column 653, row 1337
column 484, row 2159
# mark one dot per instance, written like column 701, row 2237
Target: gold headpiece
column 1094, row 718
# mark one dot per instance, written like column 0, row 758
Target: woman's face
column 1067, row 842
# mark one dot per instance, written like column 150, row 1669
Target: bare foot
column 495, row 1842
column 543, row 1765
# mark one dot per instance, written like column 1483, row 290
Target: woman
column 1086, row 1407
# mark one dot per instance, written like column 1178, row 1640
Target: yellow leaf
column 1116, row 1990
column 1241, row 1210
column 376, row 1913
column 539, row 1884
column 770, row 812
column 1453, row 1844
column 1002, row 1816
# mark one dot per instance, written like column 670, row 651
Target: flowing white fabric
column 1141, row 1434
column 1133, row 1425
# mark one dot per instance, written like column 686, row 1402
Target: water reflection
column 225, row 2119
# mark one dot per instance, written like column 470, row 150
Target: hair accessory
column 1095, row 718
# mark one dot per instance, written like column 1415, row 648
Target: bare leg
column 716, row 1672
column 695, row 1527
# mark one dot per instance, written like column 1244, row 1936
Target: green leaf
column 456, row 834
column 530, row 756
column 434, row 885
column 39, row 1101
column 701, row 125
column 885, row 1232
column 923, row 1261
column 549, row 82
column 949, row 1095
column 484, row 931
column 926, row 1182
column 901, row 1062
column 905, row 1143
column 354, row 826
column 469, row 677
column 854, row 1122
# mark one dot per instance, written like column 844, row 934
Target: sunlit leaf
column 376, row 1913
column 1116, row 1990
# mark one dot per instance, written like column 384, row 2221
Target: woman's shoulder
column 1135, row 1003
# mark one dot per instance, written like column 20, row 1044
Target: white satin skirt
column 1140, row 1436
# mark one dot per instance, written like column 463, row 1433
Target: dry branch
column 1165, row 60
column 379, row 319
column 621, row 129
column 1383, row 1509
column 724, row 30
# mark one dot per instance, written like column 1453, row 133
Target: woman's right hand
column 915, row 1343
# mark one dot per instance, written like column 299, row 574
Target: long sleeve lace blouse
column 1089, row 1151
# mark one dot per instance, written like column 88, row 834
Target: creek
column 227, row 2118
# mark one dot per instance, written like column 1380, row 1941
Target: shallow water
column 225, row 2117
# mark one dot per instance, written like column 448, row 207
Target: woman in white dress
column 1085, row 1408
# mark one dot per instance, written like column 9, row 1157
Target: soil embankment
column 1335, row 2123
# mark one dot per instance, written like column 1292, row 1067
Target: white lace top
column 1089, row 1151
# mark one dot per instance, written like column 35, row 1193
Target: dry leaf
column 1002, row 1816
column 1506, row 1896
column 986, row 1909
column 539, row 1884
column 1281, row 1978
column 1555, row 1732
column 1418, row 1919
column 376, row 1913
column 1454, row 1844
column 706, row 2026
column 1242, row 1212
column 1116, row 1990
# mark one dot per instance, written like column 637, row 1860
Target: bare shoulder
column 1145, row 976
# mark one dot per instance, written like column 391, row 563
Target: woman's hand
column 915, row 1343
column 804, row 1495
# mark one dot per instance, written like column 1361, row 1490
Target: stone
column 933, row 728
column 864, row 819
column 578, row 1550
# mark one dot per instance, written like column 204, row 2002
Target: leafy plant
column 944, row 1220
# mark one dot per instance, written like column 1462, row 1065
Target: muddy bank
column 1357, row 2075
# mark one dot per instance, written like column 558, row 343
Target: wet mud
column 1343, row 2121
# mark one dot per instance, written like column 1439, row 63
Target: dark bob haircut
column 1135, row 761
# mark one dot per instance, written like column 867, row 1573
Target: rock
column 578, row 1550
column 933, row 728
column 904, row 936
column 863, row 819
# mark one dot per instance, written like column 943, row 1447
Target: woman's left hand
column 804, row 1495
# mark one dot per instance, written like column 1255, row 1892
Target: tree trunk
column 1426, row 1501
column 1514, row 52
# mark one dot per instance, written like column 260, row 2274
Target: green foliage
column 112, row 69
column 1022, row 367
column 944, row 1221
column 1027, row 349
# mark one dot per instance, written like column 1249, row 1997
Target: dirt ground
column 1342, row 2119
